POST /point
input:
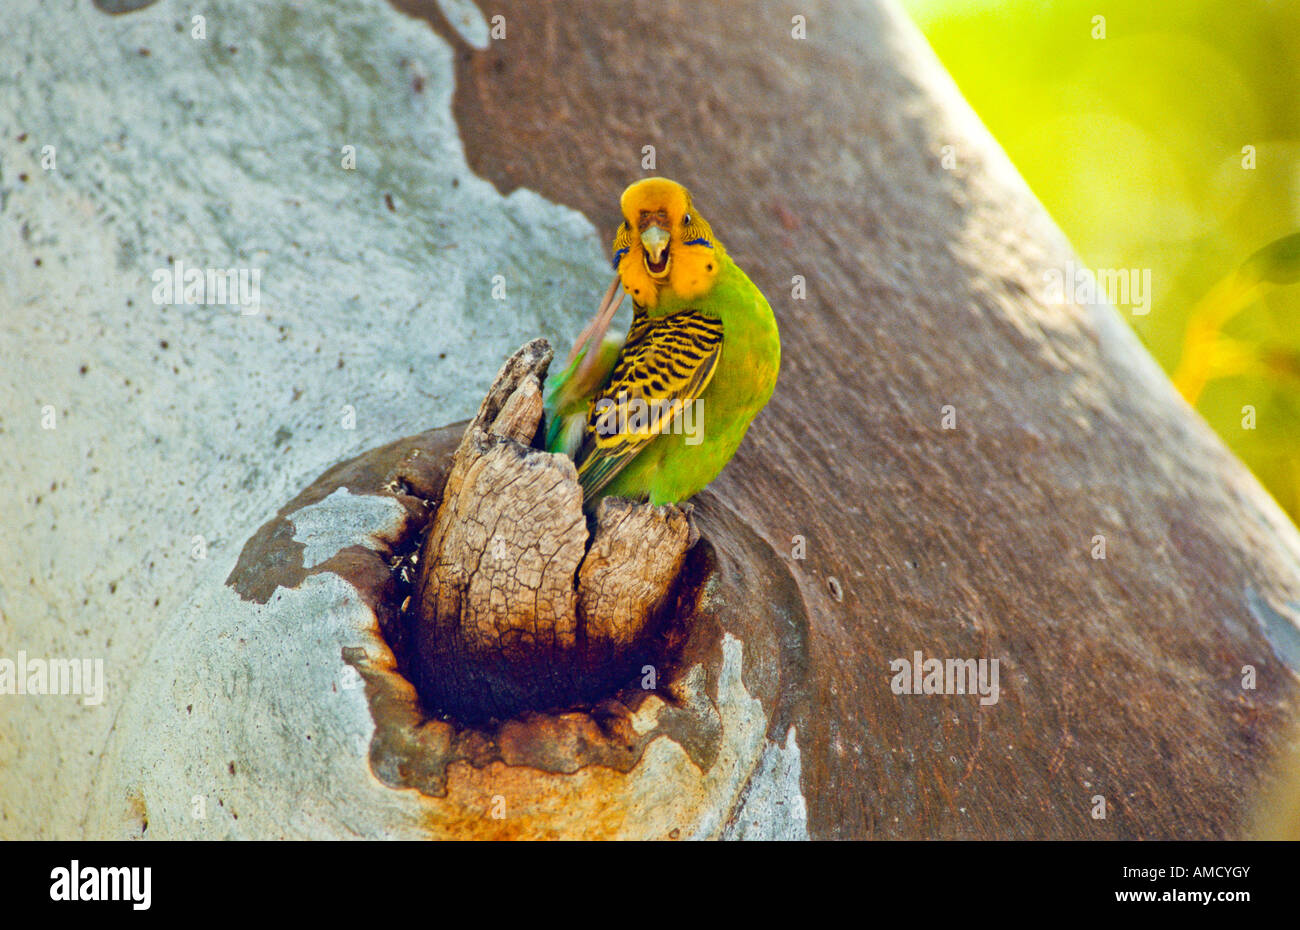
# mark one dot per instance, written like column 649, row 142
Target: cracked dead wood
column 621, row 581
column 675, row 753
column 499, row 624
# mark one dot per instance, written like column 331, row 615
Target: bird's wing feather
column 567, row 394
column 665, row 364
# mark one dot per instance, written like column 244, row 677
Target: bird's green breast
column 674, row 466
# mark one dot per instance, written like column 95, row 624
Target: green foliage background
column 1134, row 143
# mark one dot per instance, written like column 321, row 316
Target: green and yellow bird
column 658, row 416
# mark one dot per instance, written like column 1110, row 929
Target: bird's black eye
column 687, row 219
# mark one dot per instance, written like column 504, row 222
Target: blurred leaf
column 1277, row 263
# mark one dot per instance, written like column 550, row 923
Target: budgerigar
column 657, row 417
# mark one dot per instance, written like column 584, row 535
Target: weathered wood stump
column 511, row 612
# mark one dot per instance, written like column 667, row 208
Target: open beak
column 655, row 242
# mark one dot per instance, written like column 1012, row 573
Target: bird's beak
column 655, row 240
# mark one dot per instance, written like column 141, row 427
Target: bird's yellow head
column 663, row 246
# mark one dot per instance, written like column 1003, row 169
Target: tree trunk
column 818, row 162
column 947, row 458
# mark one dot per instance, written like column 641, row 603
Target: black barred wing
column 665, row 364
